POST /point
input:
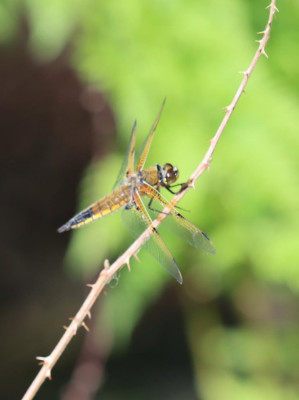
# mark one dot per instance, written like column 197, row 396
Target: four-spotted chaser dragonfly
column 132, row 184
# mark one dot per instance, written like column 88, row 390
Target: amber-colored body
column 133, row 183
column 118, row 198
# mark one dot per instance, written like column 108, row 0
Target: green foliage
column 138, row 52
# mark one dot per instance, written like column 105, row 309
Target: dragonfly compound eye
column 171, row 173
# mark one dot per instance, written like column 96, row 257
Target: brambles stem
column 109, row 270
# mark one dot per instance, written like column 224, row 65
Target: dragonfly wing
column 178, row 224
column 144, row 149
column 137, row 219
column 128, row 162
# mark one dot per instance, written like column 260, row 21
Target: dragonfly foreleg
column 182, row 185
column 154, row 209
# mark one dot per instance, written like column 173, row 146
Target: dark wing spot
column 206, row 236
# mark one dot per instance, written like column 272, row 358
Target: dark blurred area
column 51, row 126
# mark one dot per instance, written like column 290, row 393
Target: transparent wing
column 128, row 162
column 178, row 224
column 144, row 149
column 136, row 219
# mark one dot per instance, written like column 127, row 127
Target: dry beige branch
column 109, row 270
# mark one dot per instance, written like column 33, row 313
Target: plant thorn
column 106, row 264
column 137, row 258
column 88, row 314
column 85, row 326
column 264, row 52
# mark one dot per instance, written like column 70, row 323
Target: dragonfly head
column 169, row 174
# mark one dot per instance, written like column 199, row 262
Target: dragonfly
column 135, row 183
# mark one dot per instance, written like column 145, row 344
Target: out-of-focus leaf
column 138, row 52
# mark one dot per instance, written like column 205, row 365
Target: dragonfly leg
column 159, row 211
column 182, row 185
column 154, row 209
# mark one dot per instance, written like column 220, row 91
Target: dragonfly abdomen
column 105, row 206
column 110, row 203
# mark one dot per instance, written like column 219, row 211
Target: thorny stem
column 109, row 270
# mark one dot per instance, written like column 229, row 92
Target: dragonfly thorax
column 168, row 174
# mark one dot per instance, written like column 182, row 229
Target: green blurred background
column 74, row 75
